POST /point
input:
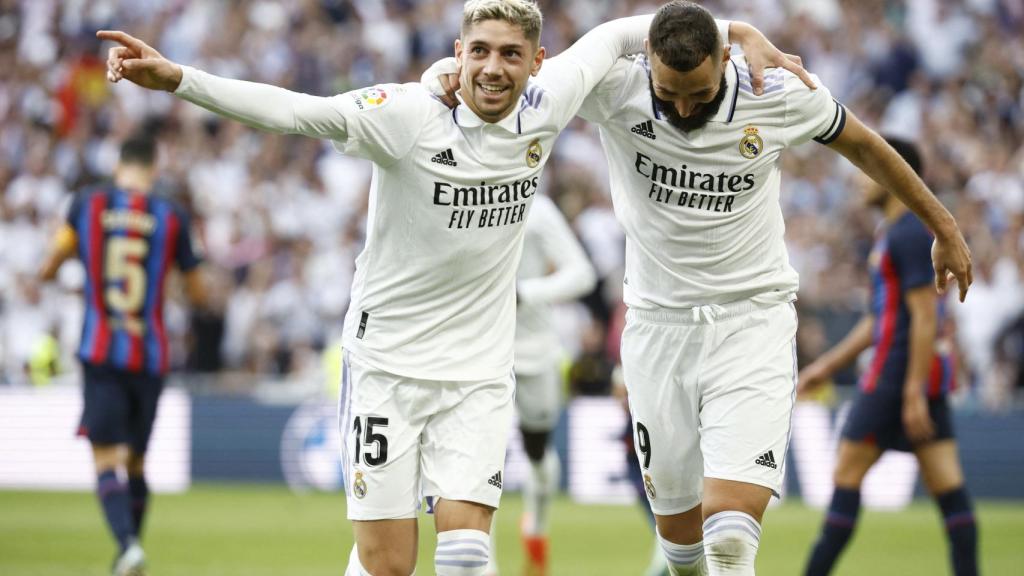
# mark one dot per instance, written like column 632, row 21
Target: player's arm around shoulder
column 951, row 258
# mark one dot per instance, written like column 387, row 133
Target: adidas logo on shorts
column 767, row 459
column 445, row 158
column 495, row 480
column 645, row 129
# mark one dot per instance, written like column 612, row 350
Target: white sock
column 354, row 567
column 684, row 559
column 541, row 484
column 462, row 553
column 492, row 562
column 658, row 564
column 730, row 543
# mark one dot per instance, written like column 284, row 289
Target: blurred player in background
column 428, row 385
column 127, row 240
column 554, row 269
column 708, row 351
column 902, row 403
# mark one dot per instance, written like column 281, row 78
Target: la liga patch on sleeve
column 370, row 98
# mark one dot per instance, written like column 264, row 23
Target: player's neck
column 130, row 178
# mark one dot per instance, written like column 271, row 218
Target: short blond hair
column 522, row 13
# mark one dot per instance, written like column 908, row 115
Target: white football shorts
column 404, row 439
column 711, row 393
column 539, row 400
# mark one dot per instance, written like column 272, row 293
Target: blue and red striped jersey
column 127, row 241
column 901, row 261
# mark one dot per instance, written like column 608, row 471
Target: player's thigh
column 940, row 466
column 381, row 416
column 538, row 400
column 876, row 419
column 462, row 515
column 145, row 392
column 747, row 396
column 463, row 444
column 658, row 366
column 853, row 462
column 105, row 408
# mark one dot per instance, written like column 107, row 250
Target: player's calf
column 730, row 543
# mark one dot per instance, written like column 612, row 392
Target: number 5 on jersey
column 375, row 443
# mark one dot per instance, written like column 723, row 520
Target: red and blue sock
column 835, row 534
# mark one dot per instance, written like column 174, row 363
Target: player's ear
column 538, row 60
column 726, row 50
column 458, row 50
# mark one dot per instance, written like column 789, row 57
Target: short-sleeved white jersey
column 701, row 209
column 433, row 294
column 554, row 269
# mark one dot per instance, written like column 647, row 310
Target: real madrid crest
column 534, row 153
column 649, row 486
column 751, row 143
column 359, row 486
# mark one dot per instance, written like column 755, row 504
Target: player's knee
column 136, row 464
column 380, row 561
column 462, row 553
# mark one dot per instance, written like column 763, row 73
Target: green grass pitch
column 221, row 530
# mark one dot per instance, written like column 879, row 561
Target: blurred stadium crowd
column 282, row 218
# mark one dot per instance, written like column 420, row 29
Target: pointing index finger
column 121, row 38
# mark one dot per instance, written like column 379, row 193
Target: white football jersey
column 554, row 269
column 701, row 209
column 433, row 294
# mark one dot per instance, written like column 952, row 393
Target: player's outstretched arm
column 842, row 354
column 261, row 106
column 868, row 151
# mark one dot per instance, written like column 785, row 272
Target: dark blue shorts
column 120, row 407
column 877, row 418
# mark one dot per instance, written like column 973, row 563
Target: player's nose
column 685, row 108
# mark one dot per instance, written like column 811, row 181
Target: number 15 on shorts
column 371, row 443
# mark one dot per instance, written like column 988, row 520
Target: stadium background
column 282, row 220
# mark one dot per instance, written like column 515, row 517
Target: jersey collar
column 732, row 90
column 465, row 118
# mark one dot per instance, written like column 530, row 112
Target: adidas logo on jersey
column 445, row 158
column 496, row 480
column 767, row 459
column 645, row 129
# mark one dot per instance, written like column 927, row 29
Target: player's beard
column 700, row 116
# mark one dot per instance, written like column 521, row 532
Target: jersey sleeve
column 384, row 121
column 372, row 123
column 811, row 114
column 186, row 255
column 911, row 248
column 571, row 75
column 603, row 100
